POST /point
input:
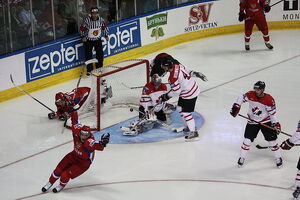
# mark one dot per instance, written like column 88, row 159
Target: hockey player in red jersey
column 287, row 145
column 69, row 101
column 252, row 11
column 79, row 160
column 262, row 109
column 150, row 110
column 182, row 85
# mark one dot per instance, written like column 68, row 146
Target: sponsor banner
column 122, row 37
column 291, row 10
column 155, row 23
column 199, row 17
column 54, row 58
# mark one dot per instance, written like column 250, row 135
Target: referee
column 90, row 31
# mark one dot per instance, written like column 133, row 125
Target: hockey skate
column 57, row 188
column 278, row 162
column 241, row 162
column 192, row 135
column 247, row 47
column 296, row 193
column 269, row 46
column 46, row 187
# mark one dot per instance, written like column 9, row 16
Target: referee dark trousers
column 89, row 45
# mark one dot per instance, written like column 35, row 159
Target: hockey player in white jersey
column 150, row 110
column 182, row 85
column 287, row 145
column 262, row 109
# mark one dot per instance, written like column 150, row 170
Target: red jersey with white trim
column 296, row 136
column 253, row 8
column 182, row 84
column 262, row 109
column 150, row 95
column 85, row 150
column 80, row 97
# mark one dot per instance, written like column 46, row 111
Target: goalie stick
column 267, row 147
column 12, row 81
column 264, row 125
column 176, row 130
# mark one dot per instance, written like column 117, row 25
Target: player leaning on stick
column 287, row 145
column 79, row 160
column 182, row 85
column 252, row 11
column 262, row 109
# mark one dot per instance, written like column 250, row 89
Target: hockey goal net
column 114, row 88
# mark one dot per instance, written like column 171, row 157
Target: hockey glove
column 164, row 98
column 105, row 139
column 287, row 145
column 241, row 16
column 200, row 75
column 235, row 109
column 277, row 127
column 267, row 8
column 51, row 115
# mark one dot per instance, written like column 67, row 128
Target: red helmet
column 85, row 130
column 59, row 97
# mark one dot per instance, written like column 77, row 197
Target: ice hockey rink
column 31, row 145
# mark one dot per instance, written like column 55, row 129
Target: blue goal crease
column 158, row 133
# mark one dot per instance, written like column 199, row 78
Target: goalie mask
column 156, row 80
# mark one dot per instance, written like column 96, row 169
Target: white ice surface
column 31, row 145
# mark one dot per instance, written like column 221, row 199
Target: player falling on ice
column 182, row 85
column 262, row 109
column 69, row 101
column 79, row 160
column 287, row 145
column 74, row 100
column 150, row 111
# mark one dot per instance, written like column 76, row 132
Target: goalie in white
column 149, row 110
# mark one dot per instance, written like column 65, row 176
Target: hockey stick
column 177, row 130
column 264, row 125
column 267, row 147
column 11, row 79
column 136, row 87
column 270, row 7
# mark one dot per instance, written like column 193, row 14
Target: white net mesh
column 125, row 81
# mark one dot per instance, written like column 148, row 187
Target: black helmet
column 259, row 85
column 94, row 9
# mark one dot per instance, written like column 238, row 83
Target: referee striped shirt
column 92, row 28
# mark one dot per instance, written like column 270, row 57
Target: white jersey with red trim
column 182, row 84
column 150, row 95
column 296, row 136
column 262, row 109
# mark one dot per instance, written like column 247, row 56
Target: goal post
column 113, row 87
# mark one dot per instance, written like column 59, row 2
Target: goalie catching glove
column 200, row 75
